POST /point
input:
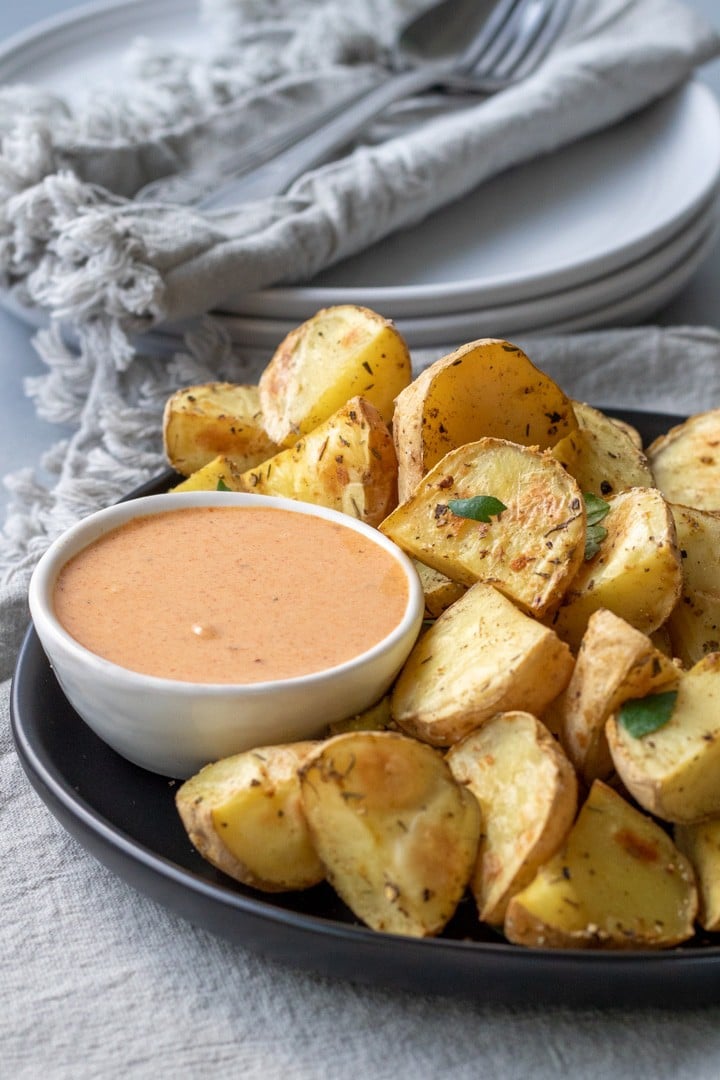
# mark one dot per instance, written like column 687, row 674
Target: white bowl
column 173, row 727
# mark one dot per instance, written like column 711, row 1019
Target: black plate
column 127, row 819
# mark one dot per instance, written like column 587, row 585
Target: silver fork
column 522, row 35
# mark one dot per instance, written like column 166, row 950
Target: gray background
column 23, row 437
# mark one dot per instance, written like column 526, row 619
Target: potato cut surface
column 615, row 662
column 482, row 656
column 694, row 623
column 527, row 792
column 601, row 455
column 636, row 573
column 203, row 422
column 486, row 387
column 686, row 461
column 244, row 815
column 673, row 772
column 397, row 835
column 701, row 844
column 340, row 353
column 530, row 550
column 618, row 882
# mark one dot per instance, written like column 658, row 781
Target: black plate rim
column 126, row 855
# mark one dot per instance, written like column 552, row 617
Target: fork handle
column 273, row 177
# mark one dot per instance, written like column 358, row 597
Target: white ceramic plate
column 607, row 201
column 571, row 217
column 635, row 292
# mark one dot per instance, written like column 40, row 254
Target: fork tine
column 551, row 29
column 493, row 55
column 531, row 43
column 495, row 29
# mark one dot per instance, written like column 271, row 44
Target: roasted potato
column 201, row 423
column 618, row 882
column 531, row 549
column 342, row 352
column 636, row 572
column 686, row 461
column 674, row 771
column 439, row 590
column 348, row 463
column 701, row 844
column 482, row 656
column 487, row 387
column 397, row 835
column 615, row 662
column 527, row 792
column 244, row 815
column 694, row 623
column 601, row 455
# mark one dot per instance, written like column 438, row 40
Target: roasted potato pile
column 551, row 748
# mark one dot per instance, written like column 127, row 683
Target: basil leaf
column 595, row 510
column 222, row 486
column 479, row 507
column 642, row 716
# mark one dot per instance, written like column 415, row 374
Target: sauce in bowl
column 223, row 594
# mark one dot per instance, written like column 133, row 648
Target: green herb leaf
column 479, row 507
column 642, row 716
column 222, row 486
column 595, row 509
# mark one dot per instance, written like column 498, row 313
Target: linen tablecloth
column 95, row 979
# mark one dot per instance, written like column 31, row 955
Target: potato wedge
column 377, row 718
column 694, row 623
column 397, row 835
column 686, row 461
column 244, row 815
column 701, row 844
column 340, row 353
column 636, row 573
column 348, row 463
column 674, row 772
column 487, row 387
column 530, row 551
column 615, row 662
column 203, row 422
column 618, row 882
column 482, row 656
column 601, row 455
column 440, row 591
column 527, row 791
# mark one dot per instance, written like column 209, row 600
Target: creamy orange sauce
column 230, row 594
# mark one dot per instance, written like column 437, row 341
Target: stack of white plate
column 603, row 232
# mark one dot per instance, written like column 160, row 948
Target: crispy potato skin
column 397, row 835
column 527, row 791
column 347, row 463
column 694, row 623
column 618, row 882
column 216, row 419
column 530, row 551
column 700, row 843
column 244, row 815
column 673, row 772
column 481, row 657
column 615, row 662
column 686, row 463
column 340, row 353
column 636, row 573
column 602, row 454
column 486, row 387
